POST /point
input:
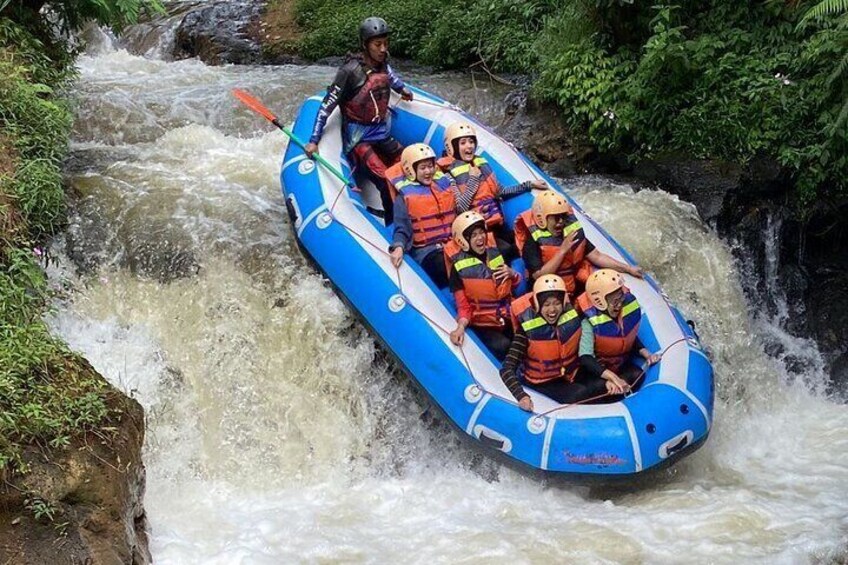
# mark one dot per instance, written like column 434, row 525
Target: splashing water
column 277, row 430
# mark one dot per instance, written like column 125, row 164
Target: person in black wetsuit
column 362, row 88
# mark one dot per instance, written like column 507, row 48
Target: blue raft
column 340, row 230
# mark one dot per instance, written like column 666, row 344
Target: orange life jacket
column 613, row 338
column 371, row 102
column 486, row 199
column 489, row 300
column 431, row 208
column 552, row 350
column 572, row 263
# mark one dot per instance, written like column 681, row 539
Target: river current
column 278, row 432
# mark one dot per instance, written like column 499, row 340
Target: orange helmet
column 548, row 283
column 600, row 284
column 463, row 223
column 414, row 154
column 456, row 131
column 549, row 203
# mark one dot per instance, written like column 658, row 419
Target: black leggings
column 434, row 265
column 497, row 340
column 505, row 239
column 584, row 386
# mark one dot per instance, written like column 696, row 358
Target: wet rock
column 220, row 33
column 538, row 131
column 706, row 184
column 163, row 252
column 94, row 489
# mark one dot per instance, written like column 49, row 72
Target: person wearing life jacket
column 424, row 210
column 551, row 241
column 481, row 283
column 543, row 352
column 479, row 188
column 611, row 318
column 362, row 87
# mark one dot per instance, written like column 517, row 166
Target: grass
column 48, row 395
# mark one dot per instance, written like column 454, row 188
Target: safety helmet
column 545, row 284
column 549, row 203
column 600, row 284
column 412, row 155
column 372, row 27
column 456, row 131
column 462, row 224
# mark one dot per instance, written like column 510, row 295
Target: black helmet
column 372, row 27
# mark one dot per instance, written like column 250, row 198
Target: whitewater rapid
column 278, row 432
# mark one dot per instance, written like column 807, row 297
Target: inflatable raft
column 340, row 229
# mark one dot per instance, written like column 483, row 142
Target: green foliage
column 47, row 394
column 711, row 78
column 71, row 15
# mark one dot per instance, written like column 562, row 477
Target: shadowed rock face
column 95, row 488
column 220, row 33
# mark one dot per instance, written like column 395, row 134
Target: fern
column 826, row 7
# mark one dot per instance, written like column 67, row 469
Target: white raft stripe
column 308, row 219
column 474, row 415
column 634, row 441
column 546, row 447
column 293, row 160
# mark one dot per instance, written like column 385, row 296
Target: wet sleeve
column 508, row 191
column 514, row 357
column 402, row 236
column 394, row 81
column 532, row 256
column 334, row 95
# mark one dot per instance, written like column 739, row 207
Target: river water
column 278, row 432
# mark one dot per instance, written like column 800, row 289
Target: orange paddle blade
column 254, row 104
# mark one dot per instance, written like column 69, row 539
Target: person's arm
column 335, row 92
column 586, row 351
column 553, row 264
column 397, row 84
column 464, row 199
column 604, row 261
column 402, row 236
column 514, row 357
column 521, row 188
column 463, row 306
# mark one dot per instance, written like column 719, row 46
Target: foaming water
column 277, row 430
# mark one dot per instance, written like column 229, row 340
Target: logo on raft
column 603, row 459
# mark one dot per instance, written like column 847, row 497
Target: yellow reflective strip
column 480, row 161
column 567, row 317
column 629, row 308
column 496, row 262
column 404, row 183
column 460, row 170
column 533, row 324
column 465, row 263
column 438, row 174
column 538, row 234
column 574, row 226
column 599, row 319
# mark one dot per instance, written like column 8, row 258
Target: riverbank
column 70, row 443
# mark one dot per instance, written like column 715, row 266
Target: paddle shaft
column 315, row 156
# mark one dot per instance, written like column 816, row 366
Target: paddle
column 254, row 104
